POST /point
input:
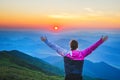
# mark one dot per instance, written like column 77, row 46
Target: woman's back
column 75, row 55
column 73, row 69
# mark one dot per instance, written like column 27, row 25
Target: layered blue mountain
column 28, row 41
column 101, row 70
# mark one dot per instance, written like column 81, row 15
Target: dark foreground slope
column 15, row 65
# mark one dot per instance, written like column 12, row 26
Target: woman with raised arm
column 74, row 59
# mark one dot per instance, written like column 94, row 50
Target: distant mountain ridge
column 102, row 70
column 55, row 60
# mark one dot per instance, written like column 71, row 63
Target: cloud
column 92, row 12
column 89, row 9
column 62, row 16
column 116, row 14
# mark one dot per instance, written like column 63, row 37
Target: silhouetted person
column 74, row 59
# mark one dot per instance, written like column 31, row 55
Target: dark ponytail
column 74, row 45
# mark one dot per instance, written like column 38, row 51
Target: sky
column 43, row 14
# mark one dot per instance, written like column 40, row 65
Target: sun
column 56, row 27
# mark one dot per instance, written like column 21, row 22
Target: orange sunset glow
column 68, row 14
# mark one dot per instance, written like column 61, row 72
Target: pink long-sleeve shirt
column 75, row 54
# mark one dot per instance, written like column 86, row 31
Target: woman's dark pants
column 73, row 77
